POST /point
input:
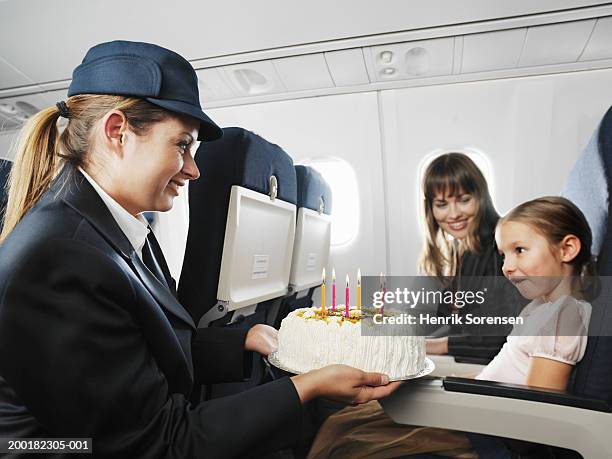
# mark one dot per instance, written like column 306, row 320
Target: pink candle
column 333, row 289
column 347, row 298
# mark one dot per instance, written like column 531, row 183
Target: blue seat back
column 593, row 374
column 312, row 190
column 239, row 158
column 313, row 230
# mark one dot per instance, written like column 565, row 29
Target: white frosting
column 307, row 342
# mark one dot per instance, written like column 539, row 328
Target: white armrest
column 447, row 366
column 427, row 403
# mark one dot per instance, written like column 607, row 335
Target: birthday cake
column 309, row 339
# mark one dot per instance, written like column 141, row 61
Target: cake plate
column 427, row 368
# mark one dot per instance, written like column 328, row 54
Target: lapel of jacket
column 78, row 193
column 161, row 260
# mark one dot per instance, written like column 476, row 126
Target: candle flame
column 323, row 275
column 359, row 277
column 333, row 275
column 347, row 282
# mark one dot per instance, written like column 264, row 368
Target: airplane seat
column 593, row 374
column 5, row 168
column 312, row 240
column 541, row 423
column 242, row 215
column 588, row 186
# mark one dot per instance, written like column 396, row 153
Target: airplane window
column 479, row 159
column 345, row 195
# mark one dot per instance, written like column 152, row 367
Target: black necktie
column 150, row 262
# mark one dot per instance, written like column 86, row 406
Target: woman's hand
column 262, row 338
column 343, row 383
column 437, row 346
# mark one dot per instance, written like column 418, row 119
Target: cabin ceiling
column 245, row 53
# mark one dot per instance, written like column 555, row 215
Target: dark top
column 501, row 299
column 5, row 169
column 93, row 345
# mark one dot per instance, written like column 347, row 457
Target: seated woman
column 545, row 245
column 460, row 221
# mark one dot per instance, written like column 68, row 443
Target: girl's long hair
column 555, row 218
column 42, row 150
column 452, row 174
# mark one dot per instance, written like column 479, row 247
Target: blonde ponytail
column 35, row 166
column 554, row 218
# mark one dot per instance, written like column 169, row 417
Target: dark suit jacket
column 462, row 343
column 93, row 345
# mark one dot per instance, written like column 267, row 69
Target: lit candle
column 333, row 289
column 323, row 292
column 347, row 298
column 359, row 289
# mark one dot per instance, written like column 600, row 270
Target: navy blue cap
column 158, row 75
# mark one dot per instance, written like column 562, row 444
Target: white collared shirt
column 135, row 229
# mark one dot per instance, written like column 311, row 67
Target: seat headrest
column 587, row 185
column 313, row 192
column 243, row 158
column 239, row 158
column 593, row 375
column 605, row 140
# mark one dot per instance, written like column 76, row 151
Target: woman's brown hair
column 453, row 174
column 555, row 218
column 41, row 151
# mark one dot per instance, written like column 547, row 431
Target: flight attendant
column 94, row 343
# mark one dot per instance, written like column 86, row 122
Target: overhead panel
column 253, row 78
column 416, row 59
column 347, row 67
column 492, row 50
column 304, row 72
column 580, row 39
column 600, row 43
column 556, row 43
column 213, row 85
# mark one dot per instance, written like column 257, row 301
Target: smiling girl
column 545, row 244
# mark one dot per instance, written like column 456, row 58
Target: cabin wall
column 530, row 131
column 345, row 127
column 7, row 147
